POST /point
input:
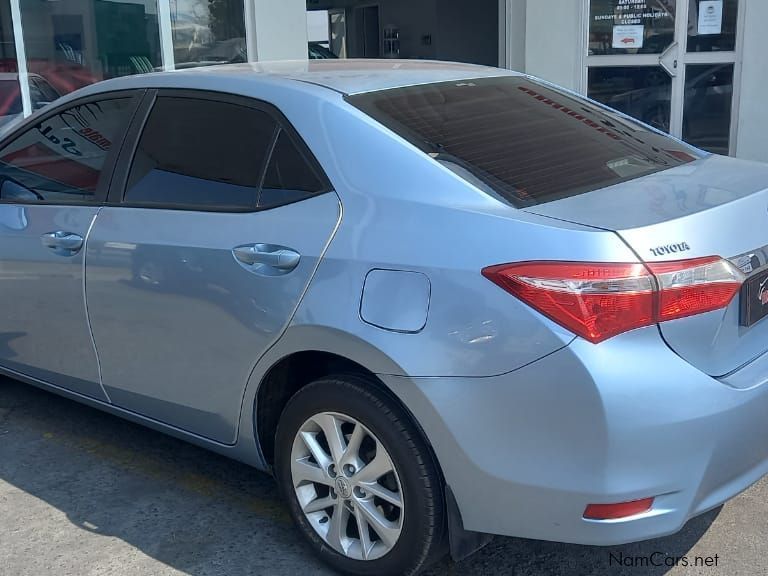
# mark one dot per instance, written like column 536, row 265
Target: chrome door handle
column 279, row 258
column 63, row 243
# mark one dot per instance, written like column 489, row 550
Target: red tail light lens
column 695, row 286
column 616, row 511
column 598, row 301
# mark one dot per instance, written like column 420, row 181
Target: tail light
column 600, row 300
column 691, row 287
column 617, row 511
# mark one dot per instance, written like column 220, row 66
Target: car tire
column 373, row 433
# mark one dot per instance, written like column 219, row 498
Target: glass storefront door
column 10, row 91
column 670, row 63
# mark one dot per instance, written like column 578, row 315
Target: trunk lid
column 716, row 206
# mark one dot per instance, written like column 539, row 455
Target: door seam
column 85, row 304
column 339, row 218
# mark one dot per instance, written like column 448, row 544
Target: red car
column 40, row 92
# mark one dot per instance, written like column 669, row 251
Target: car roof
column 346, row 76
column 353, row 76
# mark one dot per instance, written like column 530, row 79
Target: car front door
column 224, row 217
column 53, row 176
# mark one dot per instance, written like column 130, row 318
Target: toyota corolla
column 437, row 301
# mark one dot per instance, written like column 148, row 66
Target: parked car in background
column 232, row 51
column 62, row 75
column 318, row 51
column 40, row 91
column 10, row 97
column 437, row 301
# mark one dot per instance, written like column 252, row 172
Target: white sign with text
column 628, row 36
column 711, row 17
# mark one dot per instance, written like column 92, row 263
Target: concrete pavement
column 85, row 493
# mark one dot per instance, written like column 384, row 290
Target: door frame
column 359, row 8
column 21, row 58
column 677, row 99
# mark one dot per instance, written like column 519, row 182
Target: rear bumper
column 525, row 452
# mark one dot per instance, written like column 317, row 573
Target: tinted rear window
column 528, row 142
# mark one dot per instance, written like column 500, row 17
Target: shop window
column 72, row 43
column 644, row 92
column 712, row 25
column 636, row 27
column 208, row 32
column 707, row 110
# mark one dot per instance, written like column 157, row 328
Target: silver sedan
column 437, row 301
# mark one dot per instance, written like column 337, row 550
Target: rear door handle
column 62, row 242
column 279, row 259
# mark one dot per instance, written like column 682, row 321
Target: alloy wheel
column 347, row 486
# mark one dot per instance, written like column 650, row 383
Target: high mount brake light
column 600, row 300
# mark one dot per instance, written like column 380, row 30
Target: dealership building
column 695, row 68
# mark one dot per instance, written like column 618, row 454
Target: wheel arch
column 304, row 354
column 285, row 371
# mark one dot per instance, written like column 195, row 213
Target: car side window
column 61, row 158
column 289, row 176
column 196, row 153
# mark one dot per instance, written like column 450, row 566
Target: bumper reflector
column 615, row 511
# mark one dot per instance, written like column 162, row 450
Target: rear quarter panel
column 404, row 211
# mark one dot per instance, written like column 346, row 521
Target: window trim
column 130, row 146
column 107, row 170
column 309, row 160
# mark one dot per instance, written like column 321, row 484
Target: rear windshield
column 525, row 141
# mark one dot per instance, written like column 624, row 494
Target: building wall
column 516, row 18
column 317, row 26
column 434, row 29
column 414, row 20
column 554, row 41
column 280, row 28
column 458, row 22
column 752, row 135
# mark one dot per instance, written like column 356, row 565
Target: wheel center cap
column 343, row 487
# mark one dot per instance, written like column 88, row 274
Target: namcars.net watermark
column 659, row 559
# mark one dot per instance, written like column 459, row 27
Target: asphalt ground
column 85, row 493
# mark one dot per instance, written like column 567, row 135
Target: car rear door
column 54, row 176
column 223, row 217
